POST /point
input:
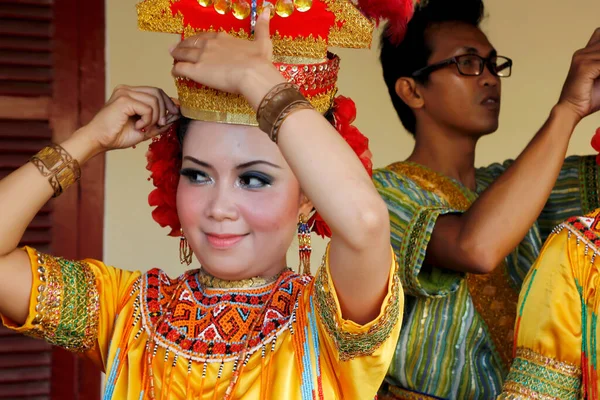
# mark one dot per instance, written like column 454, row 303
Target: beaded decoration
column 304, row 245
column 67, row 304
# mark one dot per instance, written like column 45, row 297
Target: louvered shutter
column 49, row 49
column 26, row 72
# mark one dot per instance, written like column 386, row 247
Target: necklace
column 211, row 282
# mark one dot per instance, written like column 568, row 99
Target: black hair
column 182, row 126
column 401, row 60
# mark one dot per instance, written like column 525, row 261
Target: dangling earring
column 185, row 251
column 304, row 245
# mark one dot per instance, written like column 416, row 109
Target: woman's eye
column 254, row 180
column 195, row 176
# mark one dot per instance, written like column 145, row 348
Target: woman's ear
column 306, row 206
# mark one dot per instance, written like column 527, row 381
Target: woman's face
column 238, row 200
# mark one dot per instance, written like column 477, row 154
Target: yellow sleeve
column 74, row 304
column 551, row 316
column 360, row 354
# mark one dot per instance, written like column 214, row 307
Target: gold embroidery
column 67, row 305
column 534, row 376
column 564, row 368
column 496, row 301
column 351, row 29
column 433, row 182
column 208, row 104
column 589, row 185
column 210, row 282
column 300, row 50
column 397, row 393
column 156, row 16
column 352, row 345
column 492, row 294
column 414, row 232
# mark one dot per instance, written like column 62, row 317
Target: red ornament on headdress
column 396, row 12
column 164, row 163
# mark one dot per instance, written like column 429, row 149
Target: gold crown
column 301, row 30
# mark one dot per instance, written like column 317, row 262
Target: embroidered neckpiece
column 211, row 282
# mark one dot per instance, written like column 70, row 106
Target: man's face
column 469, row 104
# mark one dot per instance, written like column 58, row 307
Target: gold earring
column 304, row 246
column 185, row 251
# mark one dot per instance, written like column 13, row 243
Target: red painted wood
column 51, row 81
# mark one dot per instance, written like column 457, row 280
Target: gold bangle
column 277, row 105
column 56, row 164
column 289, row 110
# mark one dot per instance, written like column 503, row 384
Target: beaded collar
column 211, row 282
column 213, row 325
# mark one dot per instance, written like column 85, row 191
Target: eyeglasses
column 471, row 65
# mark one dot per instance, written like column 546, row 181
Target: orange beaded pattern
column 208, row 324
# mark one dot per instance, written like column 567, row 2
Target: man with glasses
column 465, row 237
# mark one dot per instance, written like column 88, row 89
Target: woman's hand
column 225, row 63
column 131, row 115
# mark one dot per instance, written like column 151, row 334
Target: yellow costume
column 183, row 338
column 556, row 332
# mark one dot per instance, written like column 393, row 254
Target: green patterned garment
column 446, row 349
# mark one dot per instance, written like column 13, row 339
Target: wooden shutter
column 51, row 80
column 26, row 72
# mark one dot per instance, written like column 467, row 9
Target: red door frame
column 79, row 92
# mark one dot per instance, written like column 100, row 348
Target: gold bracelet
column 277, row 105
column 58, row 166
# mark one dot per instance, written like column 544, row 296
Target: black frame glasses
column 499, row 66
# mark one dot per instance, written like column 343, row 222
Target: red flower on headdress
column 164, row 164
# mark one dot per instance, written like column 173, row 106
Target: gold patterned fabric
column 351, row 344
column 534, row 376
column 64, row 310
column 203, row 103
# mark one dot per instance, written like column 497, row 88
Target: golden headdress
column 301, row 31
